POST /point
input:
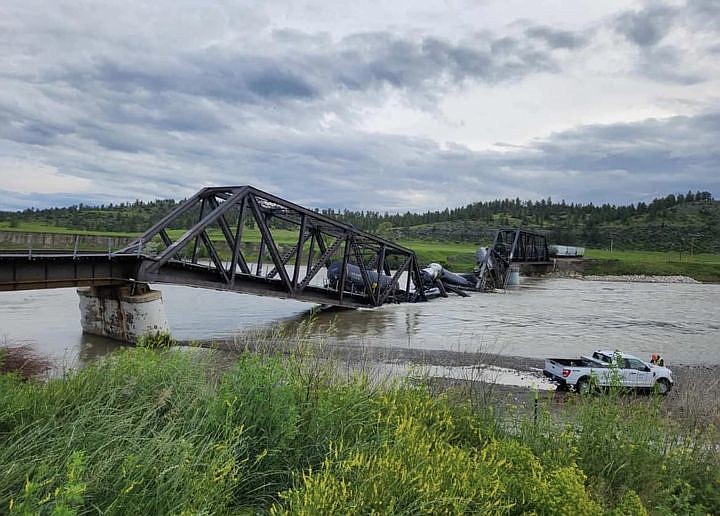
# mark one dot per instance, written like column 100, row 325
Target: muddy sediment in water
column 22, row 360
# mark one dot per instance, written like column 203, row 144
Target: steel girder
column 521, row 246
column 223, row 213
column 42, row 270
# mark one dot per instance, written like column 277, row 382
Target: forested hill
column 684, row 221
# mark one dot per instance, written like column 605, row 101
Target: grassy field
column 702, row 267
column 461, row 257
column 25, row 227
column 454, row 256
column 653, row 256
column 251, row 235
column 150, row 431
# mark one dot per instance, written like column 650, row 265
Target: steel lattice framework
column 522, row 246
column 213, row 254
column 318, row 240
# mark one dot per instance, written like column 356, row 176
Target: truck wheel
column 662, row 387
column 583, row 386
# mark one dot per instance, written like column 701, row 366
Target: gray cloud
column 365, row 171
column 117, row 95
column 648, row 26
column 361, row 62
column 667, row 64
column 557, row 38
column 161, row 115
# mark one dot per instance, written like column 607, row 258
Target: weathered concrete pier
column 123, row 313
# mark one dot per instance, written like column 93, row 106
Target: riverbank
column 703, row 268
column 163, row 431
column 502, row 379
column 624, row 278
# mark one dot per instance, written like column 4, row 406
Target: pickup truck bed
column 575, row 362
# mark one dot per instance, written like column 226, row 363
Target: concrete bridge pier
column 122, row 312
column 513, row 279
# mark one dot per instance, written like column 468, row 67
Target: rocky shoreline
column 624, row 278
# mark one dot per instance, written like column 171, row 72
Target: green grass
column 652, row 256
column 460, row 257
column 281, row 236
column 164, row 432
column 701, row 267
column 37, row 227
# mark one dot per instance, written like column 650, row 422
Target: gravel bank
column 625, row 278
column 641, row 278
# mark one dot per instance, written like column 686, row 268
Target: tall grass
column 151, row 431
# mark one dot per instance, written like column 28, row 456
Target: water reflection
column 359, row 327
column 92, row 347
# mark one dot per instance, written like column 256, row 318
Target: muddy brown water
column 543, row 317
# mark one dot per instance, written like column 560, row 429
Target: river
column 543, row 317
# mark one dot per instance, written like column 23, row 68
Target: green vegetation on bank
column 701, row 267
column 454, row 256
column 163, row 432
column 683, row 222
column 674, row 235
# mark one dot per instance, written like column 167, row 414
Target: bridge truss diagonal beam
column 206, row 240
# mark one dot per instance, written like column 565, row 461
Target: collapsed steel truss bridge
column 520, row 246
column 294, row 244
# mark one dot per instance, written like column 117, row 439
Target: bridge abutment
column 122, row 313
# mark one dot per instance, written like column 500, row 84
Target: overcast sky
column 382, row 105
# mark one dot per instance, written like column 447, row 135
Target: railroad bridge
column 295, row 244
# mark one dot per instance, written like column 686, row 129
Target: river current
column 543, row 317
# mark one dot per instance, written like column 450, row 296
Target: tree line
column 579, row 223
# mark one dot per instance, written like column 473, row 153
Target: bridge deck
column 30, row 271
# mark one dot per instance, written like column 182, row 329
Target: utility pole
column 693, row 236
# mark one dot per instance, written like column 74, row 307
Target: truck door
column 627, row 375
column 643, row 377
column 638, row 373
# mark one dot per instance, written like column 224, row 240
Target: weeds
column 156, row 340
column 159, row 431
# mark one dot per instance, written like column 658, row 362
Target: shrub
column 432, row 458
column 626, row 444
column 156, row 431
column 156, row 340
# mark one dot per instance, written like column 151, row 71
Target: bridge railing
column 49, row 242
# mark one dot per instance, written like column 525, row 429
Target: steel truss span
column 522, row 246
column 295, row 244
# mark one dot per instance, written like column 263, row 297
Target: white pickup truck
column 607, row 368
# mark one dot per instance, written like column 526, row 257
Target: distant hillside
column 685, row 222
column 692, row 227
